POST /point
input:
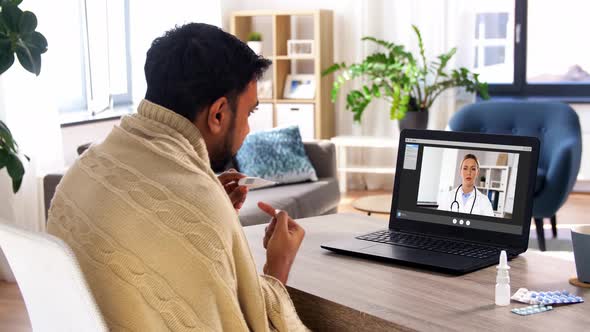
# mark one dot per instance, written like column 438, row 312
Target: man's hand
column 282, row 239
column 237, row 194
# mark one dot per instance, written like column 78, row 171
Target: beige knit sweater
column 157, row 237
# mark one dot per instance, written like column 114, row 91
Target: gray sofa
column 300, row 200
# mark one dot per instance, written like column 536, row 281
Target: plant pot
column 256, row 46
column 414, row 120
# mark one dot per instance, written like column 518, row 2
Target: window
column 556, row 52
column 106, row 54
column 493, row 45
column 101, row 54
column 534, row 49
column 95, row 59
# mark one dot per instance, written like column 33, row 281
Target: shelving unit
column 495, row 186
column 316, row 114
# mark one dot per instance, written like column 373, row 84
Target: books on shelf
column 494, row 197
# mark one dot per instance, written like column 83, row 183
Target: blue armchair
column 558, row 128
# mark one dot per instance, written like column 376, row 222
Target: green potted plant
column 255, row 42
column 482, row 181
column 409, row 83
column 17, row 36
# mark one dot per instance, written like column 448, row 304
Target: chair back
column 53, row 287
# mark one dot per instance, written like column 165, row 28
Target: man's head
column 209, row 77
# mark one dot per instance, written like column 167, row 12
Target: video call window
column 468, row 181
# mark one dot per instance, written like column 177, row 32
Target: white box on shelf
column 301, row 115
column 297, row 47
column 261, row 119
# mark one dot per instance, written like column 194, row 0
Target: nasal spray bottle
column 503, row 281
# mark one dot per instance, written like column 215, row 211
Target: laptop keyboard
column 432, row 244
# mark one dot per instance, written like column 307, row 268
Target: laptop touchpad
column 384, row 250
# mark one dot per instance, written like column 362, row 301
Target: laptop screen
column 478, row 186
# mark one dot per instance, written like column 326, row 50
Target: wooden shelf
column 294, row 57
column 295, row 101
column 277, row 27
column 494, row 189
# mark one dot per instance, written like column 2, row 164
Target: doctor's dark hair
column 470, row 156
column 191, row 66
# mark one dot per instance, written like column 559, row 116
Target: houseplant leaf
column 6, row 55
column 11, row 15
column 36, row 41
column 3, row 158
column 29, row 58
column 6, row 141
column 27, row 23
column 14, row 2
column 16, row 171
column 395, row 75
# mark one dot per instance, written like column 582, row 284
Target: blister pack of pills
column 546, row 297
column 530, row 310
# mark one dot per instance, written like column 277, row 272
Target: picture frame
column 299, row 86
column 300, row 47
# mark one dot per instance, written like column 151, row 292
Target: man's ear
column 218, row 115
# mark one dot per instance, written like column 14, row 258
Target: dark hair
column 470, row 156
column 191, row 66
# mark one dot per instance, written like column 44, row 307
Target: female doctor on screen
column 466, row 198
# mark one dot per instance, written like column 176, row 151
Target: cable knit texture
column 157, row 237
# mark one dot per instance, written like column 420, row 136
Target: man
column 155, row 231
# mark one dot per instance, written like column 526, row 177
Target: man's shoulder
column 167, row 192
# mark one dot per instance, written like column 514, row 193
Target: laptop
column 458, row 200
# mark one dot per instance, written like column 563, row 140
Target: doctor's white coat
column 482, row 204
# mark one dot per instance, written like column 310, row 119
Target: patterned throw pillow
column 276, row 155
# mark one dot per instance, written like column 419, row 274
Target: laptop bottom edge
column 412, row 257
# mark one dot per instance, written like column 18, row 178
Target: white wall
column 583, row 111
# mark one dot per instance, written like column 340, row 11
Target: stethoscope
column 455, row 201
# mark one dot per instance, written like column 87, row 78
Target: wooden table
column 374, row 203
column 342, row 293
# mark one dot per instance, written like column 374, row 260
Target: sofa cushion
column 300, row 200
column 276, row 155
